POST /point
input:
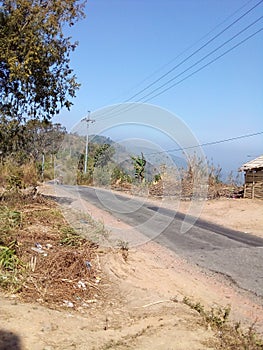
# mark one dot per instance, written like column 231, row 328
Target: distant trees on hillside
column 29, row 141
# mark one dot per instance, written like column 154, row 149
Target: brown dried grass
column 53, row 276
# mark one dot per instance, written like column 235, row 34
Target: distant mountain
column 155, row 159
column 101, row 140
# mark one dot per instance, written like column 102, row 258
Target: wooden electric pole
column 87, row 120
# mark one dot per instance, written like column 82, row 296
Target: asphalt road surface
column 235, row 254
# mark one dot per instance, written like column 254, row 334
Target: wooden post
column 253, row 186
column 245, row 187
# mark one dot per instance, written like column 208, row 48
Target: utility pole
column 87, row 120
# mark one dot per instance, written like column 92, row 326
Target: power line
column 127, row 108
column 192, row 45
column 207, row 64
column 203, row 58
column 188, row 48
column 207, row 143
column 186, row 59
column 196, row 51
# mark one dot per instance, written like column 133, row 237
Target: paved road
column 234, row 254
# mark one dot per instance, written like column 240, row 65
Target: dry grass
column 54, row 263
column 229, row 336
column 14, row 176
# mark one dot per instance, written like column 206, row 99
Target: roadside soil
column 143, row 288
column 242, row 214
column 239, row 214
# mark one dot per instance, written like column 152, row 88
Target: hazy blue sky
column 122, row 42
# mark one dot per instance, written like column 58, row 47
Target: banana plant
column 139, row 166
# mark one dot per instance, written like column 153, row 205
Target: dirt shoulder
column 142, row 309
column 141, row 306
column 244, row 215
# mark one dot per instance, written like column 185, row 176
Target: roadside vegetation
column 229, row 336
column 42, row 259
column 112, row 167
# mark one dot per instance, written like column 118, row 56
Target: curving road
column 235, row 254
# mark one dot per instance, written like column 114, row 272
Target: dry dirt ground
column 239, row 214
column 142, row 304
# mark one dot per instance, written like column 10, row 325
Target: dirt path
column 142, row 307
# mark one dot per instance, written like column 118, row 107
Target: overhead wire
column 206, row 65
column 196, row 51
column 127, row 108
column 188, row 48
column 187, row 58
column 192, row 45
column 207, row 143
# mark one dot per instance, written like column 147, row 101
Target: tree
column 11, row 138
column 36, row 80
column 103, row 155
column 139, row 166
column 29, row 140
column 42, row 137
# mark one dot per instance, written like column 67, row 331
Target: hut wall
column 254, row 184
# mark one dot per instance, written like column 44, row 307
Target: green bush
column 8, row 258
column 9, row 220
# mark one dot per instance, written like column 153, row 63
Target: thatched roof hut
column 253, row 187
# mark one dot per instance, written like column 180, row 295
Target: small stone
column 68, row 303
